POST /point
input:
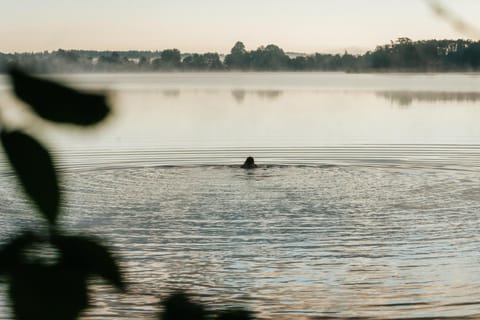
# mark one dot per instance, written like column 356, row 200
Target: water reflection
column 174, row 93
column 401, row 98
column 269, row 94
column 407, row 98
column 239, row 95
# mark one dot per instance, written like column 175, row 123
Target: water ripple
column 332, row 237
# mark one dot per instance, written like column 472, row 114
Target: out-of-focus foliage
column 56, row 290
column 180, row 306
column 35, row 170
column 50, row 287
column 55, row 102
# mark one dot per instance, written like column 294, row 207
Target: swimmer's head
column 249, row 163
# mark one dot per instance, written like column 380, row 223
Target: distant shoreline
column 246, row 72
column 400, row 56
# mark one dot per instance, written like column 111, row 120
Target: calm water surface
column 366, row 202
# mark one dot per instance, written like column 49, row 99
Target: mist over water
column 365, row 201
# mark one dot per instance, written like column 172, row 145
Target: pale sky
column 215, row 25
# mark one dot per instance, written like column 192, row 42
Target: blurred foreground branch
column 458, row 23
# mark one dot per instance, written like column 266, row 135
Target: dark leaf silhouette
column 56, row 102
column 89, row 256
column 55, row 292
column 178, row 306
column 38, row 290
column 10, row 254
column 34, row 167
column 235, row 315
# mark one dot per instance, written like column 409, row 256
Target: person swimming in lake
column 249, row 163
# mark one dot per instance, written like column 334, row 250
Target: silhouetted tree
column 238, row 58
column 169, row 59
column 299, row 63
column 402, row 54
column 270, row 57
column 207, row 61
column 143, row 63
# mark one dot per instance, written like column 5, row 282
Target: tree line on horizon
column 402, row 54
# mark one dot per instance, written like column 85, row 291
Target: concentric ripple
column 368, row 239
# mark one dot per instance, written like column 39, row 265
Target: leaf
column 53, row 292
column 34, row 167
column 56, row 102
column 10, row 253
column 179, row 306
column 237, row 314
column 90, row 256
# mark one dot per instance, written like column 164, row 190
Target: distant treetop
column 402, row 54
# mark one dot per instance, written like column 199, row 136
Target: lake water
column 365, row 204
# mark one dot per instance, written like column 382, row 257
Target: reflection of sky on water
column 409, row 98
column 255, row 110
column 394, row 232
column 287, row 241
column 260, row 110
column 293, row 117
column 402, row 98
column 297, row 241
column 239, row 95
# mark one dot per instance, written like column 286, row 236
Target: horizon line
column 355, row 50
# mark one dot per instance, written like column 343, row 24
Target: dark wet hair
column 249, row 163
